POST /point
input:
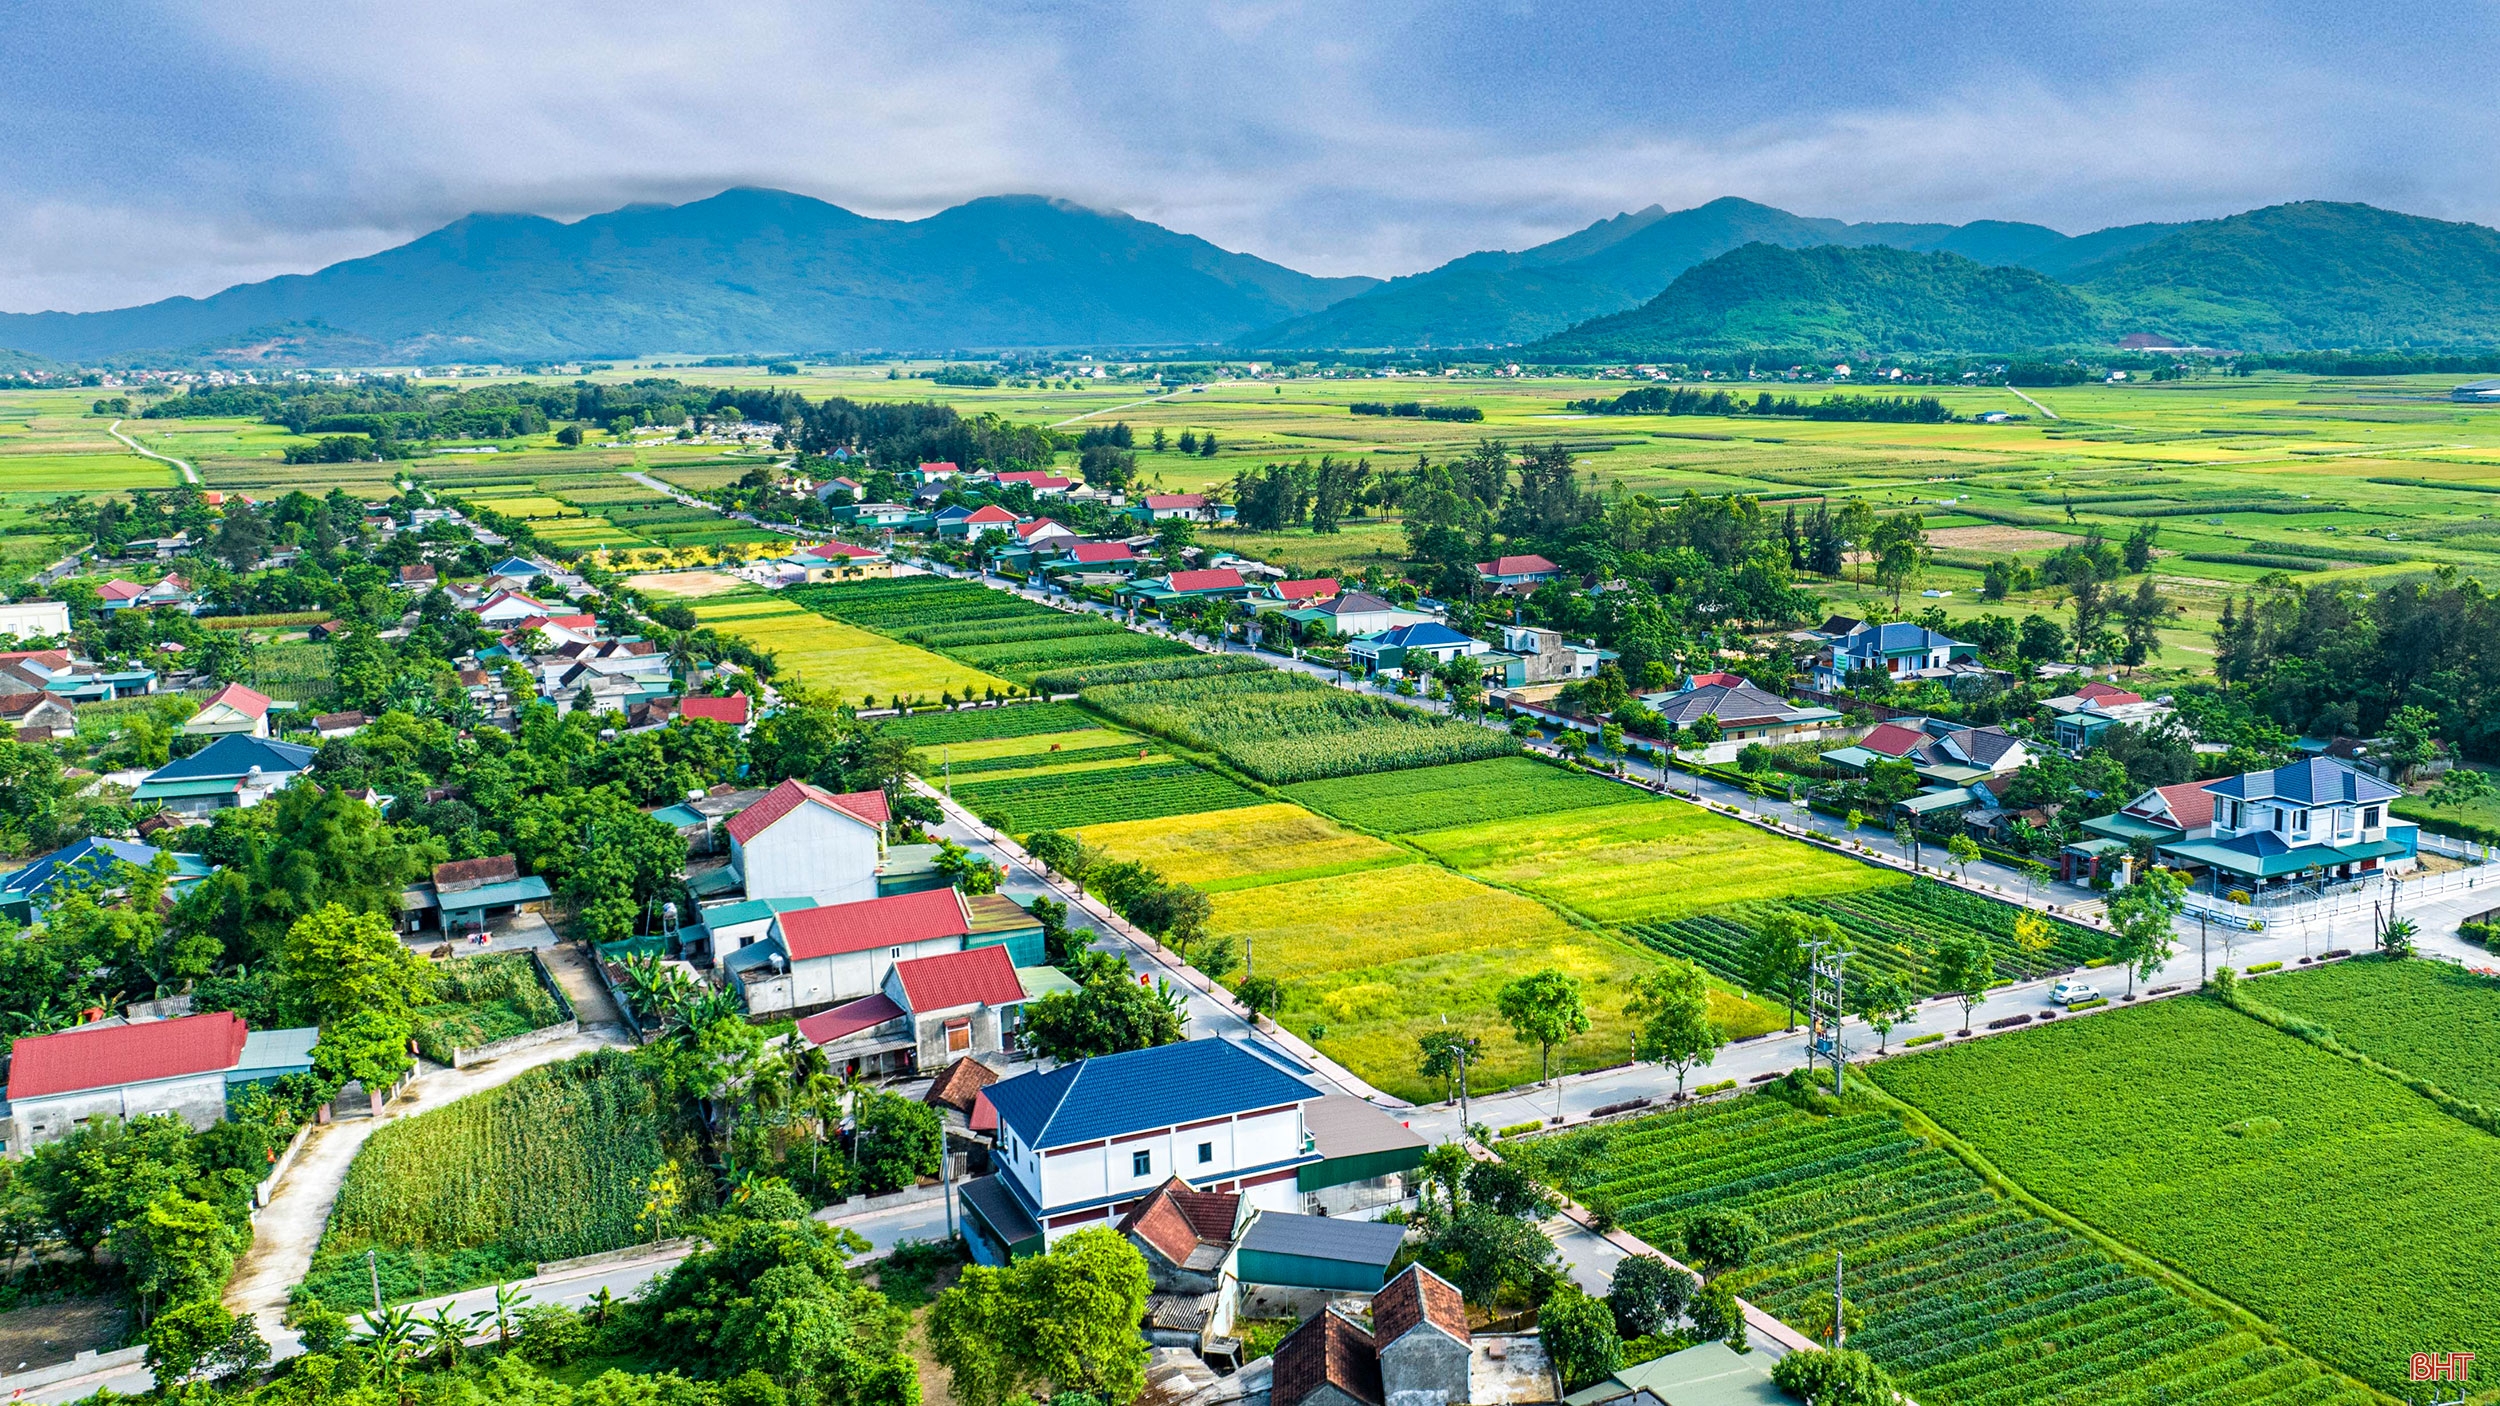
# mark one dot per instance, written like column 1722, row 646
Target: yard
column 2331, row 1200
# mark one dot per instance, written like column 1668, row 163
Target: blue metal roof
column 235, row 755
column 1427, row 634
column 2316, row 781
column 1899, row 635
column 1142, row 1089
column 93, row 857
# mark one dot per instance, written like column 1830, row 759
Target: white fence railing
column 2349, row 899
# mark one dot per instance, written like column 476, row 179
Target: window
column 2300, row 822
column 1141, row 1164
column 2278, row 820
column 2369, row 818
column 1206, row 1153
column 2343, row 823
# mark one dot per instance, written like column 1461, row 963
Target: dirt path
column 189, row 474
column 290, row 1225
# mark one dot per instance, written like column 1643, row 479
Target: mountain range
column 744, row 271
column 766, row 271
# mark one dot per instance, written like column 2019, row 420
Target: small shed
column 1317, row 1252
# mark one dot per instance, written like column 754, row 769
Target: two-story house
column 1080, row 1145
column 2311, row 822
column 2163, row 815
column 1900, row 649
column 2080, row 719
column 811, row 958
column 801, row 841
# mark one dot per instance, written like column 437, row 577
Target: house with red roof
column 955, row 1005
column 230, row 710
column 802, row 841
column 989, row 517
column 938, row 471
column 1158, row 507
column 1044, row 485
column 735, row 709
column 1102, row 556
column 128, row 1069
column 118, row 594
column 1520, row 573
column 2080, row 719
column 1208, row 583
column 1301, row 593
column 833, row 955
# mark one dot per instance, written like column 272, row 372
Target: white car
column 2070, row 992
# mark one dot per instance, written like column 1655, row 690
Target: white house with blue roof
column 2311, row 823
column 234, row 770
column 1424, row 646
column 1080, row 1145
column 1899, row 650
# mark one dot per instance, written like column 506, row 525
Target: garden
column 2344, row 1208
column 1284, row 728
column 479, row 1000
column 558, row 1163
column 1965, row 1297
column 992, row 630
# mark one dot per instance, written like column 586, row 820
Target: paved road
column 189, row 474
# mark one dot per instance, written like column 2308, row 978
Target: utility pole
column 376, row 1276
column 2202, row 975
column 1827, row 1007
column 1840, row 1304
column 946, row 1176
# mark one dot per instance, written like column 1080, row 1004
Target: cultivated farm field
column 2429, row 1019
column 1969, row 1299
column 1245, row 847
column 991, row 630
column 1645, row 862
column 1889, row 928
column 2334, row 1202
column 1282, row 727
column 1464, row 793
column 842, row 659
column 549, row 1166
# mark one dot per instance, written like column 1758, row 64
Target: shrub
column 2258, row 968
column 1917, row 1040
column 1515, row 1129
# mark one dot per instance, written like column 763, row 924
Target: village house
column 2307, row 824
column 95, row 861
column 1417, row 1351
column 1414, row 648
column 1162, row 507
column 468, row 895
column 813, row 958
column 1544, row 656
column 928, row 1010
column 234, row 770
column 2079, row 719
column 1742, row 713
column 36, row 716
column 1211, row 583
column 188, row 1066
column 420, row 577
column 29, row 619
column 801, row 841
column 1899, row 650
column 1517, row 574
column 1202, row 1248
column 231, row 711
column 735, row 709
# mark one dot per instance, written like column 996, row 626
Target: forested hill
column 1497, row 299
column 744, row 271
column 2312, row 276
column 1838, row 301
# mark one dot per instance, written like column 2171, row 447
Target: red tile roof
column 1327, row 1350
column 251, row 703
column 2191, row 805
column 1515, row 566
column 420, row 572
column 1095, row 553
column 1893, row 740
column 1035, row 479
column 1220, row 578
column 729, row 708
column 2107, row 694
column 475, row 873
column 868, row 806
column 1320, row 588
column 1723, row 680
column 991, row 512
column 118, row 589
column 1418, row 1296
column 866, row 1013
column 1160, row 501
column 844, row 550
column 894, row 921
column 940, row 466
column 980, row 976
column 960, row 1086
column 124, row 1054
column 1176, row 1220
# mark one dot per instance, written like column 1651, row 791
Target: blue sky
column 156, row 149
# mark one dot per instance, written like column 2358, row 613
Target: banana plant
column 508, row 1300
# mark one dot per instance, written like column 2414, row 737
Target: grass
column 844, row 660
column 2343, row 1208
column 1969, row 1300
column 553, row 1165
column 1244, row 847
column 1468, row 793
column 2429, row 1019
column 1646, row 862
column 481, row 1000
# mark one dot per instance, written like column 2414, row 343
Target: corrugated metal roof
column 124, row 1054
column 1324, row 1238
column 1142, row 1089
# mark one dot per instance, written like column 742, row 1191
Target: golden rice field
column 529, row 506
column 842, row 659
column 1241, row 848
column 1652, row 861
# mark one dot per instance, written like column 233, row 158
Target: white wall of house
column 199, row 1098
column 813, row 852
column 848, row 976
column 1069, row 1176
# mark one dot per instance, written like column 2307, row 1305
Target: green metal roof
column 527, row 889
column 1046, row 981
column 1853, row 756
column 1943, row 799
column 2119, row 826
column 1712, row 1374
column 176, row 790
column 1946, row 771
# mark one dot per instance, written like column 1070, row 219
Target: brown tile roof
column 960, row 1084
column 1327, row 1350
column 1418, row 1296
column 1176, row 1220
column 470, row 873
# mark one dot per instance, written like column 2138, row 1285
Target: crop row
column 1027, row 761
column 993, row 630
column 1284, row 727
column 1443, row 797
column 1067, row 800
column 1967, row 1300
column 1889, row 932
column 982, row 724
